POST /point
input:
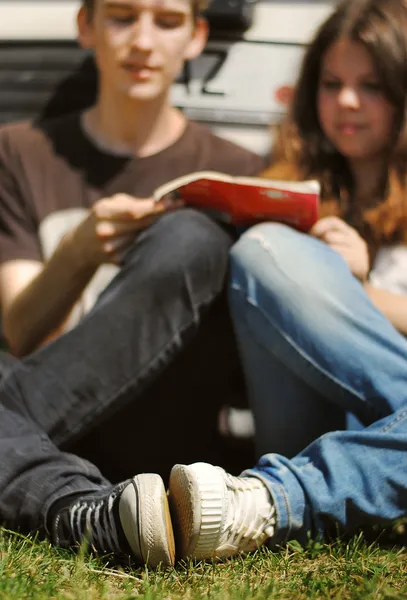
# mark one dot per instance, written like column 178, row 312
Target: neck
column 369, row 177
column 125, row 126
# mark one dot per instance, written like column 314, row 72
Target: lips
column 349, row 128
column 140, row 72
column 129, row 66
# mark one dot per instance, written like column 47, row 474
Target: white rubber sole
column 198, row 503
column 146, row 520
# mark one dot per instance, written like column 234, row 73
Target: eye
column 372, row 86
column 122, row 19
column 170, row 20
column 330, row 84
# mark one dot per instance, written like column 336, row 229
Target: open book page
column 244, row 200
column 179, row 182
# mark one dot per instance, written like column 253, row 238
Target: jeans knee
column 187, row 248
column 273, row 237
column 196, row 241
column 265, row 247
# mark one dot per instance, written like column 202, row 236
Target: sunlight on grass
column 352, row 570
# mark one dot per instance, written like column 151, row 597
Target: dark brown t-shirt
column 53, row 167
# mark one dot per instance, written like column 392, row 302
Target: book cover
column 246, row 200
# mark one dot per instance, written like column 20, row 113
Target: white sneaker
column 216, row 515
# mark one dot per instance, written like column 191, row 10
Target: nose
column 349, row 98
column 142, row 34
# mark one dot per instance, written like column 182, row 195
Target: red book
column 245, row 200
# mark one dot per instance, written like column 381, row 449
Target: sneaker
column 216, row 515
column 132, row 520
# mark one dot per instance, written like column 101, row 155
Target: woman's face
column 354, row 113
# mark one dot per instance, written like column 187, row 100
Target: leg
column 344, row 480
column 142, row 321
column 312, row 342
column 348, row 479
column 303, row 307
column 64, row 497
column 288, row 412
column 205, row 375
column 34, row 473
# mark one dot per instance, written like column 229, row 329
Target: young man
column 134, row 286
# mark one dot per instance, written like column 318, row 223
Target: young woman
column 321, row 317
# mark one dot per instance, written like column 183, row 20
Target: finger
column 147, row 208
column 112, row 229
column 125, row 207
column 347, row 253
column 171, row 202
column 321, row 227
column 343, row 238
column 117, row 248
column 115, row 206
column 136, row 225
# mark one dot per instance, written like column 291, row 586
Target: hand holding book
column 245, row 200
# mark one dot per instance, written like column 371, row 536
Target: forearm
column 41, row 308
column 393, row 306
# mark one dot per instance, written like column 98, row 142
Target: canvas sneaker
column 217, row 515
column 129, row 521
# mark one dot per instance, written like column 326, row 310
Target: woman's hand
column 111, row 227
column 345, row 240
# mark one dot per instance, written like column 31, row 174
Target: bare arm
column 393, row 306
column 36, row 299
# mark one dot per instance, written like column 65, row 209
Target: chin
column 353, row 153
column 135, row 90
column 143, row 93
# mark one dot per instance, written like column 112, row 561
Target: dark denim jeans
column 136, row 386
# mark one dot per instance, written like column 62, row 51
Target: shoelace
column 251, row 519
column 95, row 520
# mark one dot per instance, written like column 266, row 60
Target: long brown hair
column 302, row 151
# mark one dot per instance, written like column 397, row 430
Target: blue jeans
column 135, row 387
column 314, row 346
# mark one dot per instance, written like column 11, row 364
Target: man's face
column 141, row 45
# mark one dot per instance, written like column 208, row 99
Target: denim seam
column 399, row 416
column 309, row 361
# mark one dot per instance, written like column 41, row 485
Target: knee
column 192, row 239
column 265, row 247
column 271, row 238
column 187, row 246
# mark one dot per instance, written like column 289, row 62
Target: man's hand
column 345, row 240
column 111, row 226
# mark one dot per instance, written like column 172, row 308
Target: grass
column 342, row 570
